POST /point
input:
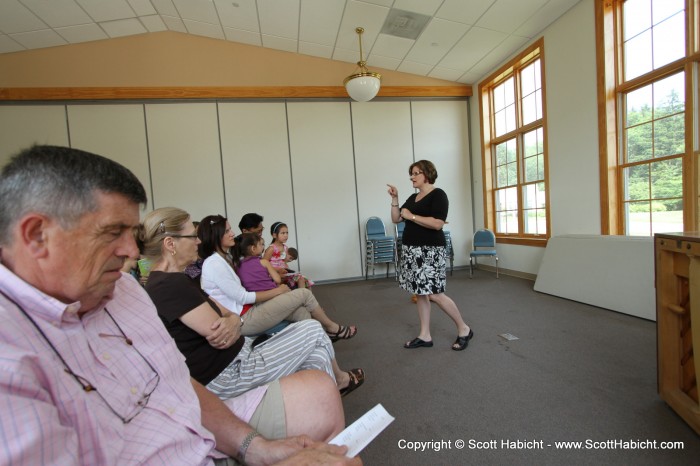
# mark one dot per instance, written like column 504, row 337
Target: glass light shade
column 363, row 87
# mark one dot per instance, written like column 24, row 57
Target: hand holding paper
column 358, row 435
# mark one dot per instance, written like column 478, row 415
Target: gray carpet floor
column 576, row 373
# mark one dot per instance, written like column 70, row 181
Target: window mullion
column 519, row 151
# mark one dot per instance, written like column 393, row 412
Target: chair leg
column 471, row 267
column 496, row 266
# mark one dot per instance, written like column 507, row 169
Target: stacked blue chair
column 381, row 248
column 484, row 245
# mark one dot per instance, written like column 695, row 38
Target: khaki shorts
column 268, row 419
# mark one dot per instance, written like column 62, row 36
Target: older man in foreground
column 88, row 374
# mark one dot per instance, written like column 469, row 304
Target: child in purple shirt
column 256, row 274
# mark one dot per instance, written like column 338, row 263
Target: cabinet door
column 255, row 158
column 117, row 132
column 325, row 197
column 24, row 125
column 185, row 157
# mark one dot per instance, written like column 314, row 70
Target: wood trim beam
column 271, row 92
column 610, row 211
column 540, row 243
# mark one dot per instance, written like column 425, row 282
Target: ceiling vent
column 404, row 24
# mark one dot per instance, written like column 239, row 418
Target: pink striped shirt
column 47, row 417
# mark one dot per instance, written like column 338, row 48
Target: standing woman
column 423, row 270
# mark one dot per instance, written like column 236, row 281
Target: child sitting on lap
column 279, row 255
column 256, row 274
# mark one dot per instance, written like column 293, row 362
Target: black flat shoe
column 462, row 342
column 417, row 343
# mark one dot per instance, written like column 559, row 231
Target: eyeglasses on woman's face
column 416, row 173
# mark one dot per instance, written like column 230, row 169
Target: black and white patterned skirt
column 423, row 269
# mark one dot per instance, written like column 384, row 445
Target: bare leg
column 312, row 405
column 326, row 322
column 342, row 378
column 450, row 308
column 423, row 304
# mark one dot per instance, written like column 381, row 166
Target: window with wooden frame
column 648, row 115
column 514, row 150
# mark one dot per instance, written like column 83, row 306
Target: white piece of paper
column 358, row 434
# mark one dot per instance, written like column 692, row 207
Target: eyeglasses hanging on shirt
column 88, row 386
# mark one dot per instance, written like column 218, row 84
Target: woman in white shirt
column 260, row 310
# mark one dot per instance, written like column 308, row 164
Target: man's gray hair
column 60, row 183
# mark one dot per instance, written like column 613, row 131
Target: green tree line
column 654, row 133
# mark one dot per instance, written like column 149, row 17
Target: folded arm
column 220, row 331
column 426, row 222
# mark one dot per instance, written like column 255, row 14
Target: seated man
column 88, row 373
column 252, row 223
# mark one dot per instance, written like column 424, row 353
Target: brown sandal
column 345, row 332
column 357, row 378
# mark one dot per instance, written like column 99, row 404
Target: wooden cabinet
column 677, row 258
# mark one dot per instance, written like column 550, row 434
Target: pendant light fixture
column 364, row 85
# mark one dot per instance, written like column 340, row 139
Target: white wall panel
column 296, row 162
column 325, row 198
column 440, row 135
column 24, row 125
column 612, row 272
column 255, row 156
column 185, row 157
column 572, row 136
column 117, row 132
column 383, row 153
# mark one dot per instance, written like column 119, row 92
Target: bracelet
column 394, row 205
column 246, row 443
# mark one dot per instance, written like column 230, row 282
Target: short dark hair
column 60, row 182
column 210, row 232
column 249, row 221
column 428, row 169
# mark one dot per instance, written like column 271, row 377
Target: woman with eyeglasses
column 423, row 266
column 209, row 335
column 260, row 310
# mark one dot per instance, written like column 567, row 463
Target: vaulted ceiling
column 455, row 40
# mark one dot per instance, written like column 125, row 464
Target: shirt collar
column 34, row 300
